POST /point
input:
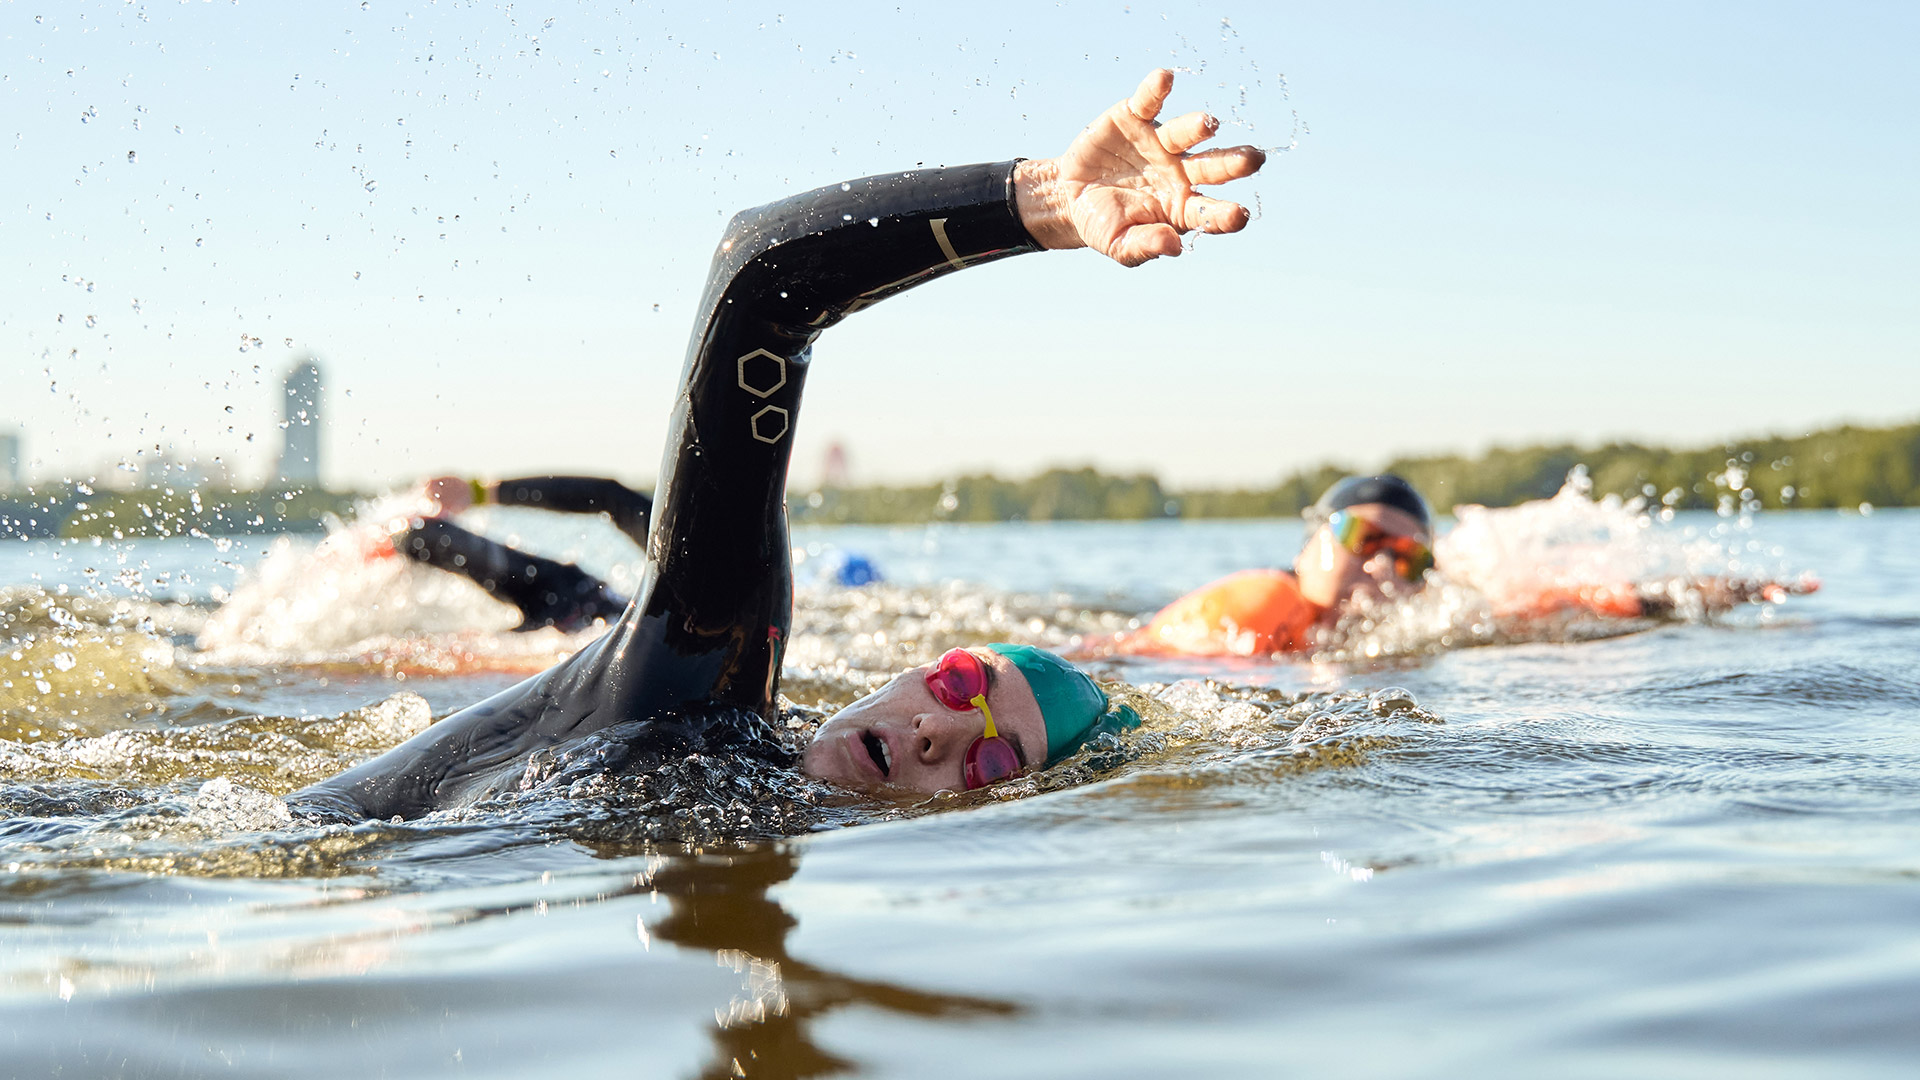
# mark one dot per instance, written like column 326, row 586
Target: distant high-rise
column 300, row 453
column 9, row 460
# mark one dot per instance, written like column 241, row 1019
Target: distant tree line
column 75, row 510
column 1838, row 467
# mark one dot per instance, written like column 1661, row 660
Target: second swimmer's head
column 1367, row 535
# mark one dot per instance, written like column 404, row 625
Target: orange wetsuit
column 1249, row 613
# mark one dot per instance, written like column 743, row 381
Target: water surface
column 1684, row 850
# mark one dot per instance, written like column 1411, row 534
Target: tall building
column 9, row 460
column 300, row 419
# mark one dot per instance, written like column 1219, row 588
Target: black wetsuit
column 547, row 592
column 699, row 648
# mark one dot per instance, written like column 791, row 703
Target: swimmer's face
column 900, row 736
column 1330, row 575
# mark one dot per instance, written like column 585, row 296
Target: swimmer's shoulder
column 1246, row 613
column 1243, row 591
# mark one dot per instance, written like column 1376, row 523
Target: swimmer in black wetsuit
column 694, row 662
column 547, row 592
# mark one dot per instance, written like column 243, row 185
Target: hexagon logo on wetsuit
column 761, row 373
column 769, row 424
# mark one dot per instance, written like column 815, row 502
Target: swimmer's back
column 1243, row 614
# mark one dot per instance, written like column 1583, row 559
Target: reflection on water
column 137, row 940
column 720, row 903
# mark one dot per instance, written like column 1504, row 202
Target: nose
column 1380, row 567
column 941, row 735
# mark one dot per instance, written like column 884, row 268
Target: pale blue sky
column 1501, row 223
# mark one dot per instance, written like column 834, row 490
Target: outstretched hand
column 1125, row 186
column 449, row 494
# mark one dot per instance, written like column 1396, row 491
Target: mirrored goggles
column 1411, row 558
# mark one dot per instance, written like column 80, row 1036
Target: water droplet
column 132, row 157
column 846, row 187
column 874, row 221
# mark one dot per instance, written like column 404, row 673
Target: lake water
column 1690, row 849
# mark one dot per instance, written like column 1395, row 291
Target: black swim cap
column 1385, row 489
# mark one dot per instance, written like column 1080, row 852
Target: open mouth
column 877, row 747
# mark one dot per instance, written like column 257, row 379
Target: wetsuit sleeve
column 722, row 587
column 547, row 592
column 631, row 511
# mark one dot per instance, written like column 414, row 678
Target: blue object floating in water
column 856, row 570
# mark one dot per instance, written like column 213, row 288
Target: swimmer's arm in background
column 1713, row 596
column 630, row 510
column 1678, row 597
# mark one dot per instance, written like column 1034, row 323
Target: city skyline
column 1504, row 226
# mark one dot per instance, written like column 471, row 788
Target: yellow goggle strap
column 980, row 702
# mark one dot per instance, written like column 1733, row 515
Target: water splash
column 352, row 599
column 74, row 662
column 1568, row 568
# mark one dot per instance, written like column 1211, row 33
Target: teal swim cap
column 1075, row 710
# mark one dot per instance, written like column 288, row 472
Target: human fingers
column 1144, row 243
column 1220, row 166
column 1151, row 94
column 1183, row 133
column 1214, row 215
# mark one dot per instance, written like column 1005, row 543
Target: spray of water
column 353, row 599
column 1568, row 568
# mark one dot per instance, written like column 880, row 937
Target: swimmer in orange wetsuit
column 1372, row 535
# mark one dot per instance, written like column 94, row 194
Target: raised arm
column 1125, row 186
column 707, row 628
